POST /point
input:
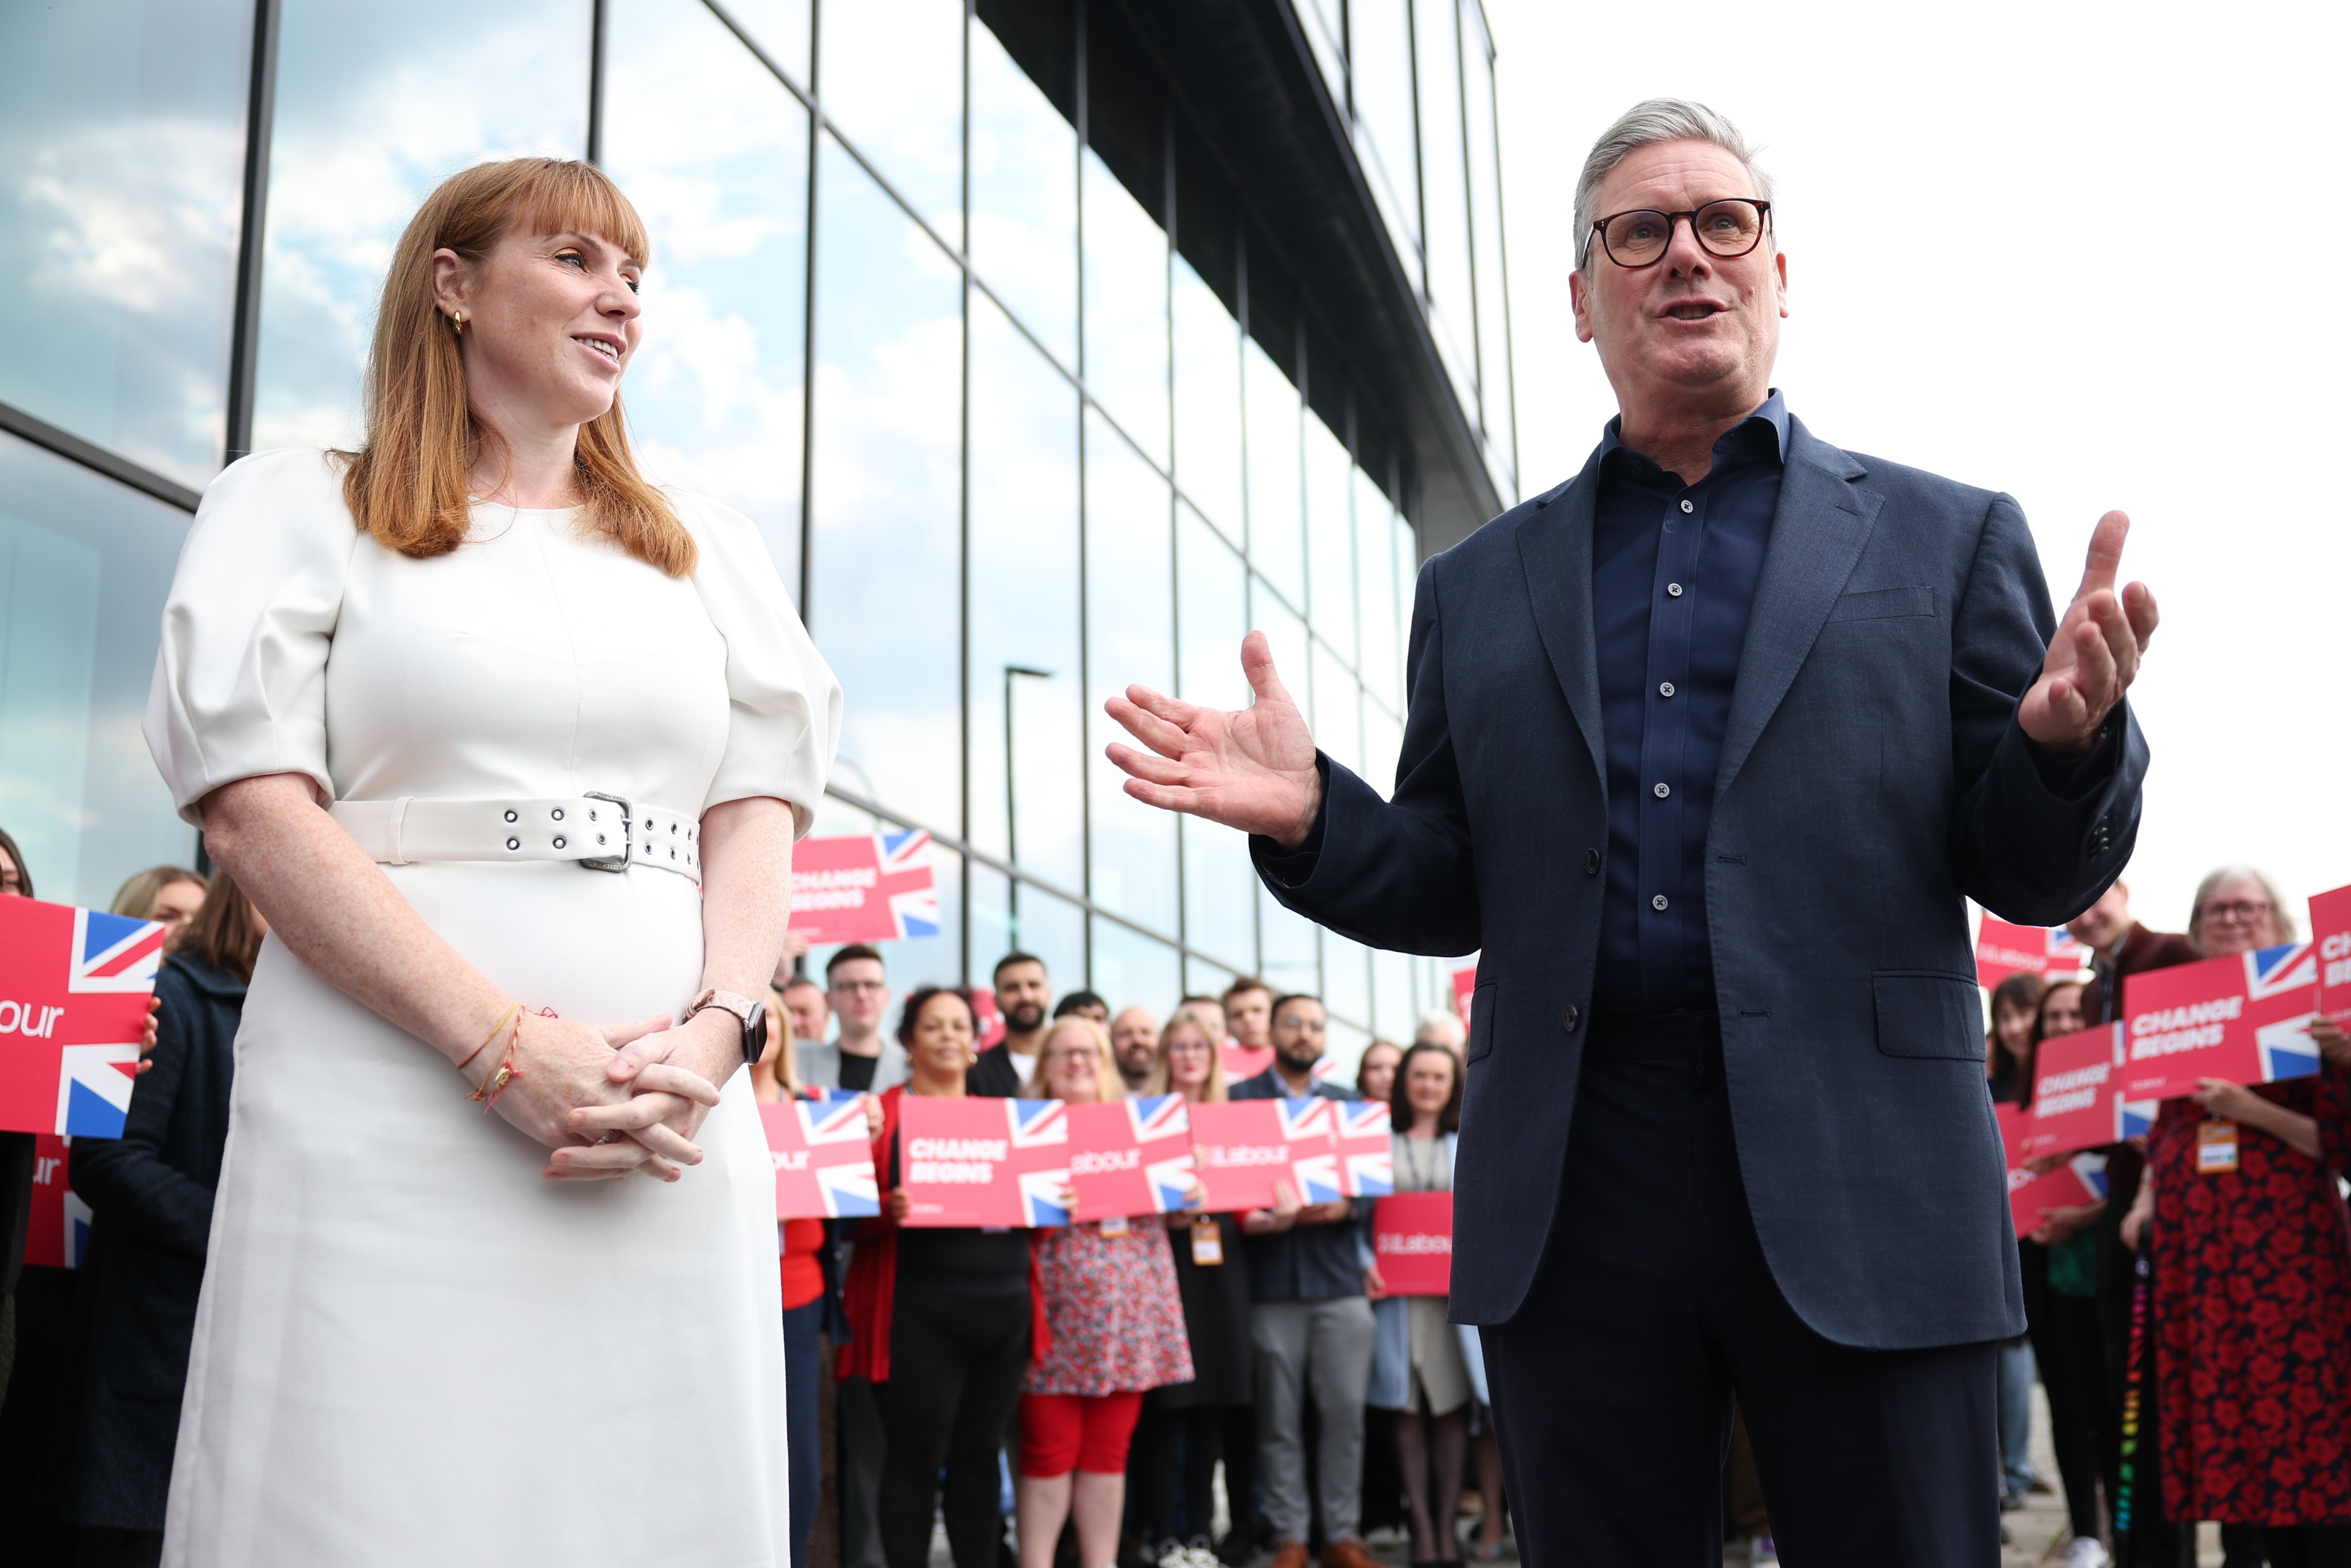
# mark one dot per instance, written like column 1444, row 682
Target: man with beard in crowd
column 1023, row 993
column 1135, row 1046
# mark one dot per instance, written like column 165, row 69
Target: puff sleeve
column 240, row 687
column 783, row 702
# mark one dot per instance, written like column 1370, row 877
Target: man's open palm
column 2094, row 655
column 1253, row 769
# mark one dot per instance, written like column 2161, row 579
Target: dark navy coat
column 1873, row 776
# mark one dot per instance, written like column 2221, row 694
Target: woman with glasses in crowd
column 1210, row 1417
column 942, row 1323
column 2252, row 1283
column 1114, row 1330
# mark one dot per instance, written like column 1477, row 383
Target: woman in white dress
column 470, row 714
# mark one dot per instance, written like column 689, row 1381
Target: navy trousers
column 1654, row 1303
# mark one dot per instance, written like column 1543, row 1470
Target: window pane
column 925, row 961
column 1342, row 1051
column 1392, row 1012
column 1130, row 638
column 890, row 76
column 1131, row 970
column 122, row 129
column 1407, row 578
column 1127, row 310
column 1445, row 192
column 1338, row 717
column 1024, row 197
column 1382, row 738
column 375, row 107
column 1277, row 532
column 1287, row 634
column 84, row 566
column 1485, row 236
column 780, row 28
column 1325, row 31
column 1212, row 595
column 1384, row 611
column 1202, row 979
column 1330, row 540
column 1208, row 401
column 1347, row 979
column 1379, row 36
column 1024, row 605
column 713, row 152
column 883, row 497
column 1005, row 917
column 1286, row 946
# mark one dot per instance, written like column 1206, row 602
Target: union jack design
column 1305, row 1118
column 2272, row 970
column 1171, row 1180
column 906, row 882
column 94, row 1089
column 1038, row 1122
column 1308, row 1121
column 2091, row 1166
column 840, row 1120
column 2285, row 1046
column 850, row 1192
column 114, row 953
column 74, row 985
column 824, row 1167
column 1366, row 1167
column 2135, row 1118
column 1042, row 1195
column 1158, row 1116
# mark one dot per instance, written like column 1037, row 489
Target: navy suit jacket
column 1872, row 775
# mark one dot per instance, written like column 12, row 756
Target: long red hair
column 406, row 484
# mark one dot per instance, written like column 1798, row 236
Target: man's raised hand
column 1253, row 769
column 2094, row 656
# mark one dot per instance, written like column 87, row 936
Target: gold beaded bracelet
column 496, row 1083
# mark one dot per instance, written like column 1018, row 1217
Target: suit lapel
column 1555, row 552
column 1823, row 522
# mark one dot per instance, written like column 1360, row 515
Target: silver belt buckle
column 609, row 862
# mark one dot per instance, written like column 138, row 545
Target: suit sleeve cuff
column 1294, row 868
column 2072, row 778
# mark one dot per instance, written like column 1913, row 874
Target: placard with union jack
column 58, row 1231
column 824, row 1166
column 984, row 1163
column 2003, row 949
column 74, row 985
column 1242, row 1147
column 1130, row 1156
column 865, row 887
column 1367, row 1163
column 2330, row 933
column 2076, row 1092
column 2245, row 1018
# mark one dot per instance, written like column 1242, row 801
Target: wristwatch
column 750, row 1015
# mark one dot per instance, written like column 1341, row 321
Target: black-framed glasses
column 1727, row 228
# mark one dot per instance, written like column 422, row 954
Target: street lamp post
column 1011, row 811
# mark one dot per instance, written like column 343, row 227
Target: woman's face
column 942, row 1045
column 176, row 905
column 2235, row 917
column 12, row 877
column 1074, row 1065
column 2014, row 1027
column 2061, row 1011
column 1376, row 1078
column 1189, row 1057
column 1429, row 1082
column 550, row 325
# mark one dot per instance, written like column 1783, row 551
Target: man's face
column 1134, row 1040
column 861, row 994
column 1692, row 325
column 1022, row 995
column 804, row 1004
column 1298, row 1032
column 2104, row 923
column 1249, row 1014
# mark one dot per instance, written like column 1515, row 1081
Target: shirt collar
column 1771, row 415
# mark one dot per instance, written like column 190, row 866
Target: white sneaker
column 1198, row 1553
column 2086, row 1553
column 1761, row 1553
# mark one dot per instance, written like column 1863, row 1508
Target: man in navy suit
column 1705, row 750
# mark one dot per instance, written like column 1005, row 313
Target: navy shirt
column 1674, row 570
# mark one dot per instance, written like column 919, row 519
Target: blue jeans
column 2016, row 1416
column 804, row 1464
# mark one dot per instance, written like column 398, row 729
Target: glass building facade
column 981, row 311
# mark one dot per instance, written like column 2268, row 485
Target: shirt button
column 1673, row 590
column 1665, row 688
column 1687, row 508
column 1568, row 1020
column 1661, row 790
column 1658, row 904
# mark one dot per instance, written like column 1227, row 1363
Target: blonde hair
column 1214, row 1090
column 1108, row 1085
column 406, row 484
column 137, row 897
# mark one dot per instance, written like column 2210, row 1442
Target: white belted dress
column 411, row 1347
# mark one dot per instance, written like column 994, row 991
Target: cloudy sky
column 2090, row 254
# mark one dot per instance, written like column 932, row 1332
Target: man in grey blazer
column 1705, row 748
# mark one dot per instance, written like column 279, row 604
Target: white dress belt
column 602, row 833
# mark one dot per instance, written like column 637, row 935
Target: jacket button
column 1591, row 863
column 1568, row 1020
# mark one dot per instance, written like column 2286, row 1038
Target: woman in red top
column 1117, row 1330
column 2252, row 1282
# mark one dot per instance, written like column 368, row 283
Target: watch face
column 754, row 1036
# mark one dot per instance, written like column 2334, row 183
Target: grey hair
column 1645, row 124
column 2281, row 922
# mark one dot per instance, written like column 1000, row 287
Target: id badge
column 1208, row 1243
column 2216, row 1147
column 1114, row 1225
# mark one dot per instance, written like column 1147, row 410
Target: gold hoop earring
column 458, row 319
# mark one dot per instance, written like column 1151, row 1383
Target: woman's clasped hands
column 613, row 1100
